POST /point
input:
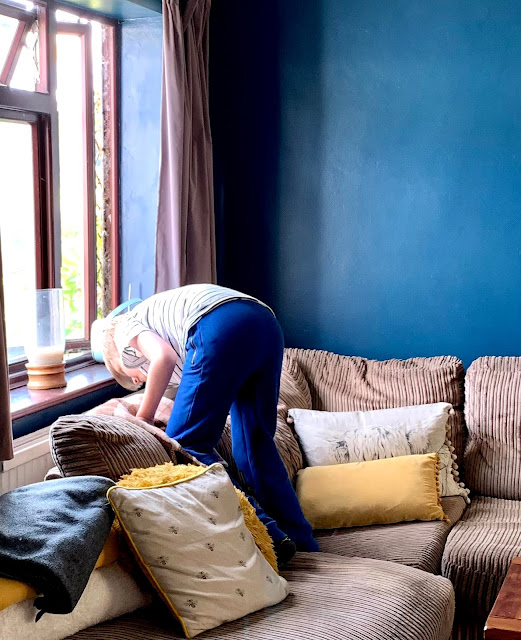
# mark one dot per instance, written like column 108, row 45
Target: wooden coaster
column 46, row 376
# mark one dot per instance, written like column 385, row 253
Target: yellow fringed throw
column 169, row 472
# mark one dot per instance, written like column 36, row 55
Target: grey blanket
column 51, row 534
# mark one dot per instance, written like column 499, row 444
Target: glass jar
column 45, row 334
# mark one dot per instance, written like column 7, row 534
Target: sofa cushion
column 359, row 494
column 191, row 540
column 479, row 550
column 168, row 473
column 330, row 597
column 416, row 544
column 492, row 410
column 336, row 437
column 348, row 383
column 103, row 446
column 294, row 393
column 110, row 592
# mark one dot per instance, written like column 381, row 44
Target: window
column 58, row 165
column 19, row 181
column 20, row 46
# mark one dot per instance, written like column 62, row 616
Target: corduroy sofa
column 393, row 581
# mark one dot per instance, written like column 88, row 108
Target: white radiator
column 32, row 460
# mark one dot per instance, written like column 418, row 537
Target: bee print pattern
column 203, row 575
column 215, row 494
column 240, row 592
column 242, row 536
column 191, row 603
column 173, row 530
column 212, row 520
column 269, row 579
column 210, row 546
column 242, row 563
column 162, row 560
column 138, row 512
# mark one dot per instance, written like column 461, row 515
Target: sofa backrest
column 493, row 414
column 349, row 383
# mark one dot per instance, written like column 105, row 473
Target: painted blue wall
column 139, row 162
column 368, row 170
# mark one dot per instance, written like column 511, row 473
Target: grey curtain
column 6, row 433
column 185, row 238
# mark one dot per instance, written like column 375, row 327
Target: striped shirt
column 170, row 315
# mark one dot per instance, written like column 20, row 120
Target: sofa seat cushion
column 330, row 597
column 415, row 544
column 479, row 550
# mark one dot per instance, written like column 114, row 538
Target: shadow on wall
column 253, row 161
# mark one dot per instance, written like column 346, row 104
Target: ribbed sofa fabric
column 349, row 383
column 330, row 597
column 415, row 544
column 102, row 446
column 479, row 550
column 493, row 414
column 468, row 628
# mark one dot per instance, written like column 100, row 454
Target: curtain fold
column 6, row 432
column 185, row 235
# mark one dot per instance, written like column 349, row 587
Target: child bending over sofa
column 224, row 349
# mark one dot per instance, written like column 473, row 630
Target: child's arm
column 162, row 363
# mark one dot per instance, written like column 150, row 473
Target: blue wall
column 140, row 109
column 368, row 170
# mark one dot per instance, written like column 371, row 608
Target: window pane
column 22, row 4
column 8, row 28
column 71, row 108
column 27, row 71
column 65, row 16
column 17, row 225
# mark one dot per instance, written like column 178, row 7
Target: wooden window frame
column 26, row 21
column 83, row 31
column 40, row 109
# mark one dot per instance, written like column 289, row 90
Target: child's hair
column 112, row 358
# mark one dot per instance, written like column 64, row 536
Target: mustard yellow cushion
column 377, row 492
column 12, row 591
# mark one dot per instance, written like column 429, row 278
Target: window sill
column 80, row 382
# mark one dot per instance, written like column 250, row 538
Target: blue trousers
column 233, row 364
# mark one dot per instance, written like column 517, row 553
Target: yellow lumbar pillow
column 377, row 492
column 168, row 473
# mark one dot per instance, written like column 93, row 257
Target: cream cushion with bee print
column 192, row 543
